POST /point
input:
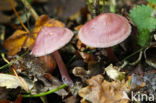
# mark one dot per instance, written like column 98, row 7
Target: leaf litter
column 97, row 80
column 102, row 91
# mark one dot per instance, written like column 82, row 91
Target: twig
column 139, row 58
column 12, row 5
column 23, row 83
column 3, row 57
column 123, row 65
column 2, row 35
column 32, row 11
column 131, row 63
column 133, row 54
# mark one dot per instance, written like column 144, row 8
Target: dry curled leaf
column 113, row 73
column 81, row 46
column 87, row 57
column 102, row 91
column 22, row 39
column 81, row 72
column 15, row 42
column 93, row 69
column 12, row 82
column 77, row 28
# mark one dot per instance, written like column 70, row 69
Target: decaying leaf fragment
column 38, row 71
column 12, row 82
column 87, row 57
column 81, row 72
column 102, row 91
column 113, row 73
column 14, row 43
column 93, row 69
column 22, row 39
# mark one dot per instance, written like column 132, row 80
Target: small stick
column 12, row 5
column 32, row 11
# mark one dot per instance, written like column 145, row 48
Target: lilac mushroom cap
column 105, row 30
column 50, row 39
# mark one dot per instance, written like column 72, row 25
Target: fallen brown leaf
column 22, row 39
column 87, row 57
column 102, row 91
column 14, row 43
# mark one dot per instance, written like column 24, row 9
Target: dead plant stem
column 29, row 7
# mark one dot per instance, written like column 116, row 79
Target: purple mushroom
column 105, row 31
column 50, row 40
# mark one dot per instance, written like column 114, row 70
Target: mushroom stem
column 65, row 76
column 111, row 54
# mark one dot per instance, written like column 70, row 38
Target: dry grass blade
column 26, row 29
column 23, row 83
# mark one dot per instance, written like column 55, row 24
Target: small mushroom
column 105, row 31
column 49, row 40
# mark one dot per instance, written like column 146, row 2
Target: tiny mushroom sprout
column 105, row 31
column 50, row 40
